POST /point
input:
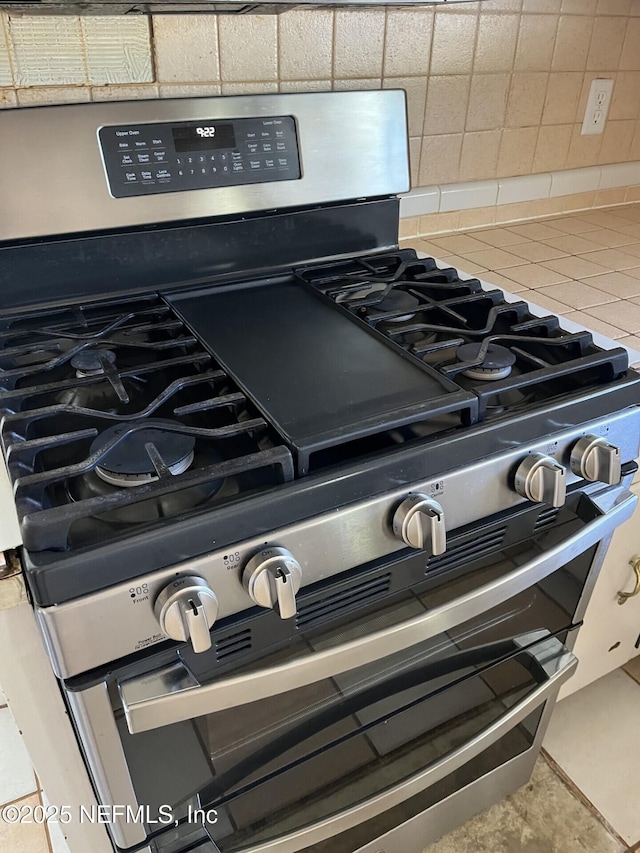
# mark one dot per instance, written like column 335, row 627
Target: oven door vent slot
column 546, row 518
column 338, row 603
column 468, row 550
column 233, row 644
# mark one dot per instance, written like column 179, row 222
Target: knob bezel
column 584, row 459
column 407, row 520
column 529, row 480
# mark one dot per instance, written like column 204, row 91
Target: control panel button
column 541, row 479
column 595, row 460
column 272, row 578
column 126, row 160
column 143, row 157
column 419, row 523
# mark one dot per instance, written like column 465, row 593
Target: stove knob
column 594, row 459
column 541, row 479
column 186, row 610
column 419, row 523
column 272, row 578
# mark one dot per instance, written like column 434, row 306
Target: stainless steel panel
column 115, row 622
column 149, row 704
column 352, row 145
column 558, row 665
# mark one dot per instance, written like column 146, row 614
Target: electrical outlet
column 598, row 102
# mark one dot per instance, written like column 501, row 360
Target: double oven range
column 310, row 524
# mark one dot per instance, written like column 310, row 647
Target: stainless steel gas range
column 309, row 523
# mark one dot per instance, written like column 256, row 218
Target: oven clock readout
column 206, row 131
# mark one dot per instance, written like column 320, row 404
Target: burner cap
column 88, row 362
column 397, row 300
column 129, row 464
column 497, row 362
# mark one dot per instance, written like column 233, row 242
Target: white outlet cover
column 595, row 114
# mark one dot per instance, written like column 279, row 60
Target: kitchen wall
column 495, row 89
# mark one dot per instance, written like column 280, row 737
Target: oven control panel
column 146, row 159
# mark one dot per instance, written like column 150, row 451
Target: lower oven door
column 357, row 724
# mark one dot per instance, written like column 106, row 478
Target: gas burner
column 397, row 300
column 130, row 462
column 497, row 363
column 508, row 400
column 92, row 362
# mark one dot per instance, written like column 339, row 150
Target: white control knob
column 272, row 578
column 186, row 610
column 541, row 479
column 594, row 459
column 419, row 523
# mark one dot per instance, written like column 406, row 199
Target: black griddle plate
column 319, row 377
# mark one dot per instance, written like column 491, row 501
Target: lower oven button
column 419, row 523
column 541, row 479
column 186, row 610
column 595, row 460
column 272, row 577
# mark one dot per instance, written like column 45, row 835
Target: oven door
column 363, row 721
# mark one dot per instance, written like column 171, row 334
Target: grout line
column 45, row 824
column 632, row 677
column 577, row 793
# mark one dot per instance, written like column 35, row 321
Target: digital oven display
column 204, row 137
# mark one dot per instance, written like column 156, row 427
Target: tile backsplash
column 494, row 89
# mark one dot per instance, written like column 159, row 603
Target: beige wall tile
column 496, row 45
column 604, row 198
column 123, row 93
column 501, row 6
column 416, row 89
column 305, row 45
column 251, row 87
column 546, row 206
column 477, row 217
column 625, row 102
column 354, row 85
column 552, row 147
column 579, row 7
column 526, row 99
column 8, row 99
column 407, row 48
column 6, row 77
column 630, row 59
column 446, row 108
column 634, row 151
column 186, row 90
column 583, row 150
column 616, row 141
column 36, row 96
column 305, row 85
column 517, row 149
column 436, row 223
column 487, row 101
column 541, row 5
column 453, row 43
column 563, row 93
column 46, row 51
column 606, row 43
column 535, row 42
column 479, row 157
column 415, row 146
column 186, row 48
column 440, row 159
column 366, row 30
column 248, row 47
column 613, row 7
column 117, row 49
column 408, row 227
column 572, row 43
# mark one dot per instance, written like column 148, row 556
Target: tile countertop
column 584, row 267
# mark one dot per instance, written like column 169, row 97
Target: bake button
column 131, row 177
column 123, row 146
column 127, row 160
column 265, row 134
column 144, row 158
column 255, row 164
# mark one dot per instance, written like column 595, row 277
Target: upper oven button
column 594, row 459
column 272, row 577
column 541, row 479
column 419, row 523
column 186, row 610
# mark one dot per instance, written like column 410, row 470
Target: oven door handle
column 172, row 694
column 551, row 664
